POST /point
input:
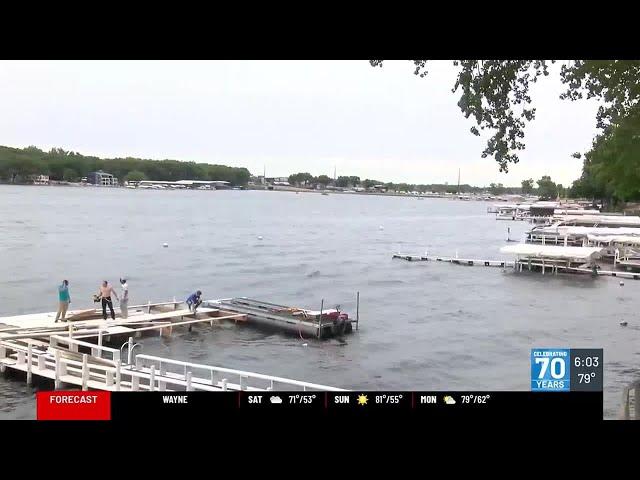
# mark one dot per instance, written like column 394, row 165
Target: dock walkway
column 521, row 264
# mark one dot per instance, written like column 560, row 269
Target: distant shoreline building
column 40, row 179
column 102, row 179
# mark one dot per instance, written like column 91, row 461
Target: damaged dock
column 323, row 323
column 81, row 352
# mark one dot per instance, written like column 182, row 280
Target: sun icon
column 362, row 399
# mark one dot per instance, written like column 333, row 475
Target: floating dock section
column 542, row 258
column 323, row 323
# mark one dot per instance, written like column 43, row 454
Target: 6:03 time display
column 586, row 362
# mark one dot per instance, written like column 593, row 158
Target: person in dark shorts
column 106, row 291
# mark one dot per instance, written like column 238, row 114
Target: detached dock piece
column 322, row 323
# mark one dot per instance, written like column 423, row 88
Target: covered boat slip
column 321, row 323
column 602, row 220
column 619, row 242
column 553, row 257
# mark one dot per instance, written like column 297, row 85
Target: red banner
column 73, row 405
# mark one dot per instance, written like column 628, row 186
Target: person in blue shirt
column 194, row 301
column 64, row 299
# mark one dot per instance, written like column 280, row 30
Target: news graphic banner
column 566, row 369
column 572, row 378
column 431, row 406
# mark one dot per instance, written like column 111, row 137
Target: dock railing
column 97, row 350
column 218, row 376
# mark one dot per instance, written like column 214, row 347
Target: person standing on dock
column 63, row 300
column 124, row 299
column 106, row 291
column 194, row 301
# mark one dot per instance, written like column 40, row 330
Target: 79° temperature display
column 564, row 369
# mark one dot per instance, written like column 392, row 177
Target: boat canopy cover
column 552, row 251
column 512, row 206
column 634, row 240
column 600, row 219
column 578, row 231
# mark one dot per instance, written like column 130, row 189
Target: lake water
column 424, row 325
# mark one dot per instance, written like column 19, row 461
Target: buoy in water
column 381, row 227
column 304, row 344
column 621, row 283
column 259, row 237
column 165, row 245
column 624, row 323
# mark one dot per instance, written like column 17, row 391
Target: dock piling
column 57, row 370
column 152, row 378
column 130, row 350
column 85, row 372
column 357, row 309
column 3, row 354
column 320, row 320
column 29, row 363
column 118, row 375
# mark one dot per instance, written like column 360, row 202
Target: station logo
column 550, row 370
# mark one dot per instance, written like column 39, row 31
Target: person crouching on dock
column 106, row 291
column 64, row 300
column 194, row 301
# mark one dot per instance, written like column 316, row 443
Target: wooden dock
column 75, row 352
column 520, row 265
column 455, row 260
column 67, row 361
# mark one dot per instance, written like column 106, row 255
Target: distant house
column 40, row 179
column 283, row 181
column 102, row 179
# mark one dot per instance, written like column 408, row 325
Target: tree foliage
column 527, row 186
column 18, row 164
column 323, row 180
column 135, row 176
column 345, row 182
column 496, row 188
column 611, row 169
column 303, row 178
column 496, row 94
column 547, row 188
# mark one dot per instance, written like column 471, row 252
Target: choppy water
column 425, row 326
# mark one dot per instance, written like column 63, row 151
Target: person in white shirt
column 124, row 298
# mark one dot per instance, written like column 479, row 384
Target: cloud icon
column 275, row 399
column 449, row 400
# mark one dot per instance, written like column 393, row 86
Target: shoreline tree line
column 17, row 165
column 546, row 188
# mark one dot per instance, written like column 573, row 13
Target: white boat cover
column 634, row 240
column 577, row 231
column 552, row 251
column 600, row 220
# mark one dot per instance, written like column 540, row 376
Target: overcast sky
column 289, row 116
